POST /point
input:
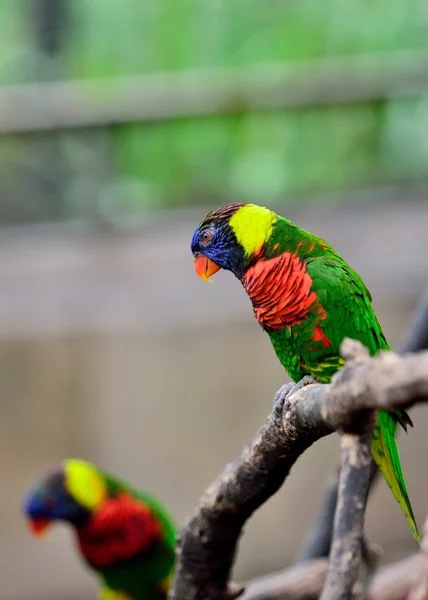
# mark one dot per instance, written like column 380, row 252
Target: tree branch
column 305, row 581
column 207, row 544
column 349, row 520
column 208, row 541
column 318, row 541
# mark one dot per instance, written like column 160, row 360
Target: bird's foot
column 285, row 391
column 306, row 380
column 279, row 400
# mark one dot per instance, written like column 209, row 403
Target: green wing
column 347, row 303
column 349, row 313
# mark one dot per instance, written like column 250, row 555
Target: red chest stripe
column 121, row 528
column 280, row 291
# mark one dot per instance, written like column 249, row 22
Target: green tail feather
column 385, row 453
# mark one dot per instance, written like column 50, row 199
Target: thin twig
column 305, row 581
column 353, row 491
column 354, row 480
column 208, row 541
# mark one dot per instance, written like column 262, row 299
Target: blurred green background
column 122, row 123
column 192, row 101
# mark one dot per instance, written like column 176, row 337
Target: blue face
column 48, row 499
column 218, row 243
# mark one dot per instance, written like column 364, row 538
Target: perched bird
column 124, row 535
column 307, row 299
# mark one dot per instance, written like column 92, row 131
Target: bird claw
column 279, row 400
column 283, row 392
column 306, row 380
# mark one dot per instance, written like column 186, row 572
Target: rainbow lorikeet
column 307, row 299
column 124, row 535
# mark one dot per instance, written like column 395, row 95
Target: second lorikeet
column 124, row 535
column 307, row 298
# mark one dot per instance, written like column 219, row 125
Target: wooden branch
column 345, row 555
column 354, row 481
column 207, row 544
column 318, row 541
column 305, row 581
column 303, row 414
column 207, row 92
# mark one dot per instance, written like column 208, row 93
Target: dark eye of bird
column 206, row 237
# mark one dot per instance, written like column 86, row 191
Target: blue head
column 215, row 245
column 49, row 500
column 234, row 237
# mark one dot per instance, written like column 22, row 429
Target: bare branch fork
column 302, row 414
column 318, row 541
column 407, row 578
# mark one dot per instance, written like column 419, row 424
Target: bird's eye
column 206, row 237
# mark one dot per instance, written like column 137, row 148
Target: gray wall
column 113, row 350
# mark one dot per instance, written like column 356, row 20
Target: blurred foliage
column 251, row 155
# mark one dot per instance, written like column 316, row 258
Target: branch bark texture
column 302, row 415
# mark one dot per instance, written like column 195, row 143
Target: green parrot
column 124, row 535
column 307, row 299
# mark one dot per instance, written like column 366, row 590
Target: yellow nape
column 108, row 594
column 252, row 226
column 84, row 483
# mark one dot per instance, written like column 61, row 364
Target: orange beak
column 38, row 526
column 205, row 267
